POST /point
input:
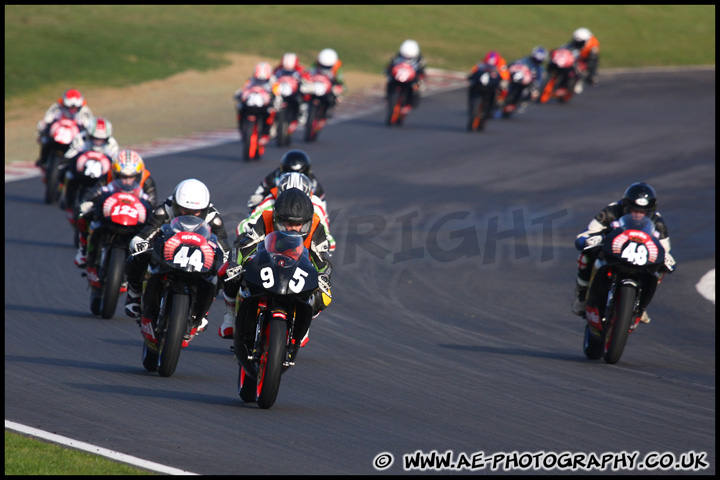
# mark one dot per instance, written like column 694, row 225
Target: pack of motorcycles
column 279, row 279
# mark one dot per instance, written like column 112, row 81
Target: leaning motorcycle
column 62, row 132
column 179, row 291
column 287, row 89
column 275, row 311
column 482, row 94
column 321, row 99
column 254, row 108
column 401, row 81
column 519, row 89
column 561, row 76
column 120, row 215
column 90, row 166
column 625, row 276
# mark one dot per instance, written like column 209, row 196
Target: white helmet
column 581, row 35
column 289, row 61
column 327, row 58
column 191, row 197
column 410, row 49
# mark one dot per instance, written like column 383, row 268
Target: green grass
column 116, row 45
column 25, row 456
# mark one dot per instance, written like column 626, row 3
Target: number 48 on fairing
column 635, row 253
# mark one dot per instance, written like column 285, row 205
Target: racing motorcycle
column 287, row 89
column 90, row 166
column 62, row 132
column 482, row 94
column 401, row 82
column 255, row 107
column 562, row 76
column 275, row 313
column 321, row 99
column 624, row 277
column 521, row 80
column 121, row 213
column 180, row 289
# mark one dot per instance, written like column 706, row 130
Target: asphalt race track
column 450, row 328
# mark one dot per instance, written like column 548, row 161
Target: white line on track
column 117, row 456
column 706, row 285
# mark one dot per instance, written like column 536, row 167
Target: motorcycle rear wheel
column 114, row 274
column 619, row 326
column 171, row 340
column 271, row 362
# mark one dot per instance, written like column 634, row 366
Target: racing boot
column 81, row 256
column 228, row 326
column 132, row 302
column 578, row 305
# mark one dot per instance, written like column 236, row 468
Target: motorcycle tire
column 95, row 301
column 619, row 326
column 271, row 362
column 52, row 179
column 479, row 108
column 312, row 129
column 247, row 386
column 547, row 90
column 593, row 343
column 250, row 140
column 283, row 123
column 394, row 105
column 149, row 358
column 111, row 280
column 172, row 338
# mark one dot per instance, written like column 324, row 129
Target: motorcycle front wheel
column 250, row 139
column 620, row 321
column 171, row 340
column 113, row 278
column 271, row 361
column 52, row 179
column 247, row 386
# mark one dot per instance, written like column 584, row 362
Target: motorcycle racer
column 264, row 78
column 71, row 105
column 98, row 138
column 190, row 197
column 586, row 48
column 639, row 200
column 496, row 61
column 409, row 52
column 127, row 164
column 292, row 161
column 289, row 180
column 535, row 62
column 329, row 65
column 293, row 211
column 290, row 66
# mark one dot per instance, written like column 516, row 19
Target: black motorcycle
column 274, row 314
column 180, row 289
column 287, row 88
column 482, row 96
column 521, row 81
column 624, row 280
